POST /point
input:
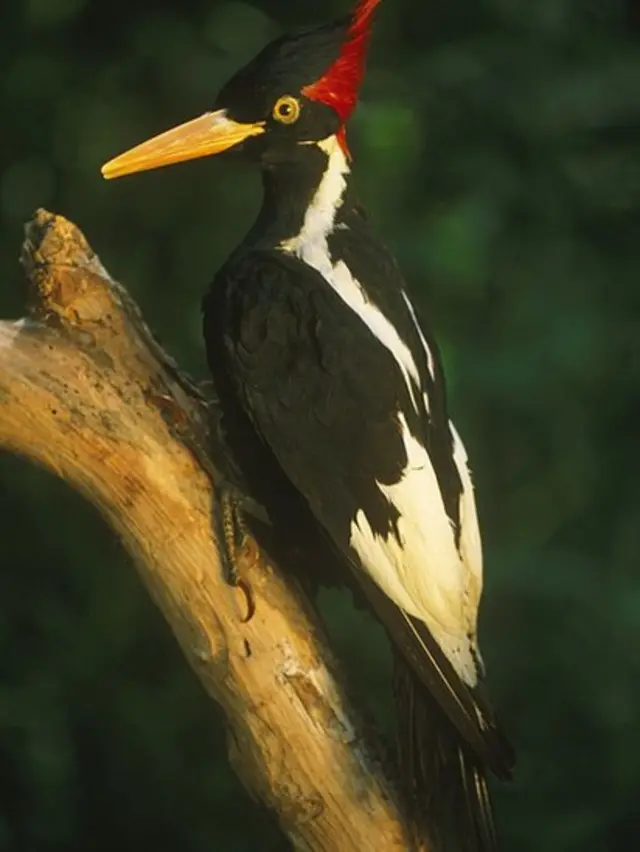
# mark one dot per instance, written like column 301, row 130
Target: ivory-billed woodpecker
column 334, row 395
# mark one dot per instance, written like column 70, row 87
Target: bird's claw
column 233, row 536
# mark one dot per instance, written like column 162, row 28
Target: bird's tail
column 445, row 780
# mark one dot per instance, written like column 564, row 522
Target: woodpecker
column 335, row 399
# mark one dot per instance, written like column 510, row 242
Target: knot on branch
column 65, row 275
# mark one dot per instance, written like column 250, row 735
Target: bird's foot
column 233, row 536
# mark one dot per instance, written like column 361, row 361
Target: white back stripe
column 430, row 361
column 311, row 245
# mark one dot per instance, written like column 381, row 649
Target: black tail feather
column 476, row 797
column 445, row 781
column 467, row 708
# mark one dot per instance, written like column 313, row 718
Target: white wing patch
column 422, row 572
column 470, row 541
column 311, row 245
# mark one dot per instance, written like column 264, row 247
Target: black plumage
column 310, row 397
column 334, row 405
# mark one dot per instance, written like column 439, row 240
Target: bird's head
column 298, row 91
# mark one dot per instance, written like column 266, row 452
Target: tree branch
column 82, row 385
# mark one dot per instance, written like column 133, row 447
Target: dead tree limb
column 80, row 383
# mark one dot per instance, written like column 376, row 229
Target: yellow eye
column 287, row 109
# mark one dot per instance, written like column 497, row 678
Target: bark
column 86, row 392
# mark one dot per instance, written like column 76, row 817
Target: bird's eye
column 287, row 109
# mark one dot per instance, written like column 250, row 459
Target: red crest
column 338, row 87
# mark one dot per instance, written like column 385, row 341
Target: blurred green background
column 498, row 149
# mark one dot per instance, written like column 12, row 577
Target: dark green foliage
column 498, row 149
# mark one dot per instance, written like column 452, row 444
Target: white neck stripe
column 311, row 245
